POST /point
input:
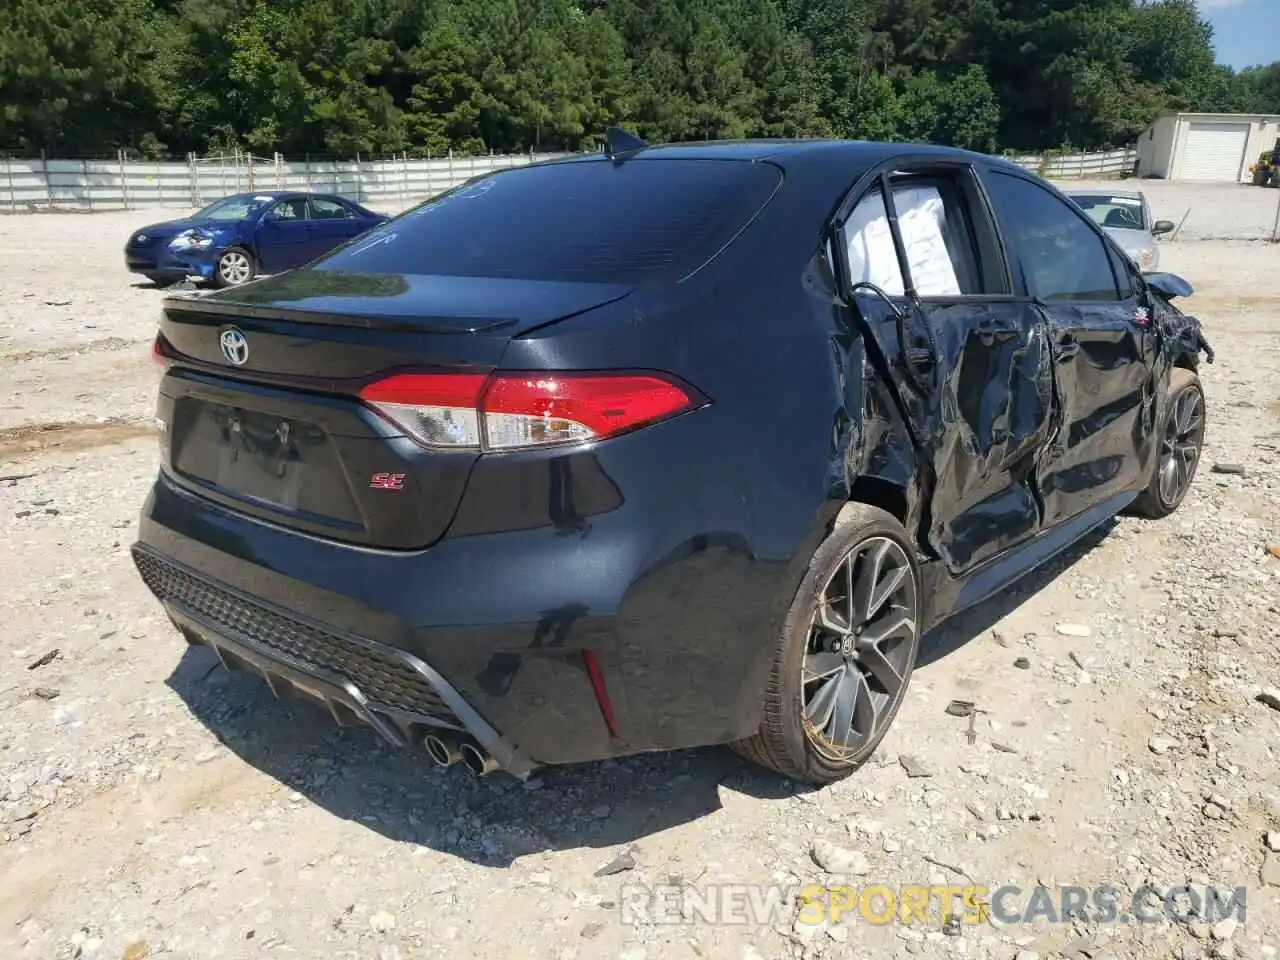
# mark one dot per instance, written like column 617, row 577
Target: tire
column 234, row 268
column 1181, row 438
column 788, row 741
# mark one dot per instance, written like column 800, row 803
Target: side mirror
column 1162, row 227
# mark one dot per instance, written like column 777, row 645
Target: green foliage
column 1259, row 89
column 342, row 77
column 306, row 74
column 79, row 76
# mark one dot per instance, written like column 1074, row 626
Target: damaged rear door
column 924, row 265
column 1102, row 341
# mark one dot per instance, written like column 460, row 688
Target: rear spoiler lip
column 403, row 317
column 233, row 310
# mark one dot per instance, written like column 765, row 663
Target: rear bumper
column 496, row 625
column 359, row 682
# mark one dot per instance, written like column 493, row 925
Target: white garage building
column 1205, row 146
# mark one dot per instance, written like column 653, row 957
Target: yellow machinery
column 1266, row 172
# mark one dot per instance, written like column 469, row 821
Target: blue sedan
column 233, row 240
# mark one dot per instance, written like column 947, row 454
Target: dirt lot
column 151, row 805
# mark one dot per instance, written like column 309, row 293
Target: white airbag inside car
column 921, row 219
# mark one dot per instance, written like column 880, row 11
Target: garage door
column 1213, row 151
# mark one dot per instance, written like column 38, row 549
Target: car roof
column 273, row 194
column 796, row 154
column 282, row 194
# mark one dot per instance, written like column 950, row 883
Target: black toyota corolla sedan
column 664, row 447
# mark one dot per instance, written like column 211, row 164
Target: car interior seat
column 1121, row 218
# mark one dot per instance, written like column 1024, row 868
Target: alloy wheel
column 861, row 648
column 233, row 267
column 1180, row 446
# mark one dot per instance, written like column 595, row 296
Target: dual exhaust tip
column 446, row 749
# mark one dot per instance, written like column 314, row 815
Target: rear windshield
column 637, row 221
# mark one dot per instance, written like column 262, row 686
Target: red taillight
column 438, row 409
column 523, row 410
column 161, row 359
column 507, row 411
column 158, row 352
column 427, row 389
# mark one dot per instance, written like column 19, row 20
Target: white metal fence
column 1081, row 166
column 99, row 185
column 121, row 184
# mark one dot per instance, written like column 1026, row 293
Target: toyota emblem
column 234, row 346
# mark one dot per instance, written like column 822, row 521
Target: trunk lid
column 280, row 435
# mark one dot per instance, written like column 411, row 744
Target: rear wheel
column 235, row 266
column 846, row 654
column 1181, row 440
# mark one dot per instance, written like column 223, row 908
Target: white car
column 1126, row 215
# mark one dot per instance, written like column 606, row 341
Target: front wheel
column 846, row 654
column 1181, row 440
column 235, row 267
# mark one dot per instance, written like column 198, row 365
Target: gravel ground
column 152, row 805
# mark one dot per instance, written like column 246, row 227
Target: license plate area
column 286, row 464
column 330, row 485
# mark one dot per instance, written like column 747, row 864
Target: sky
column 1245, row 32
